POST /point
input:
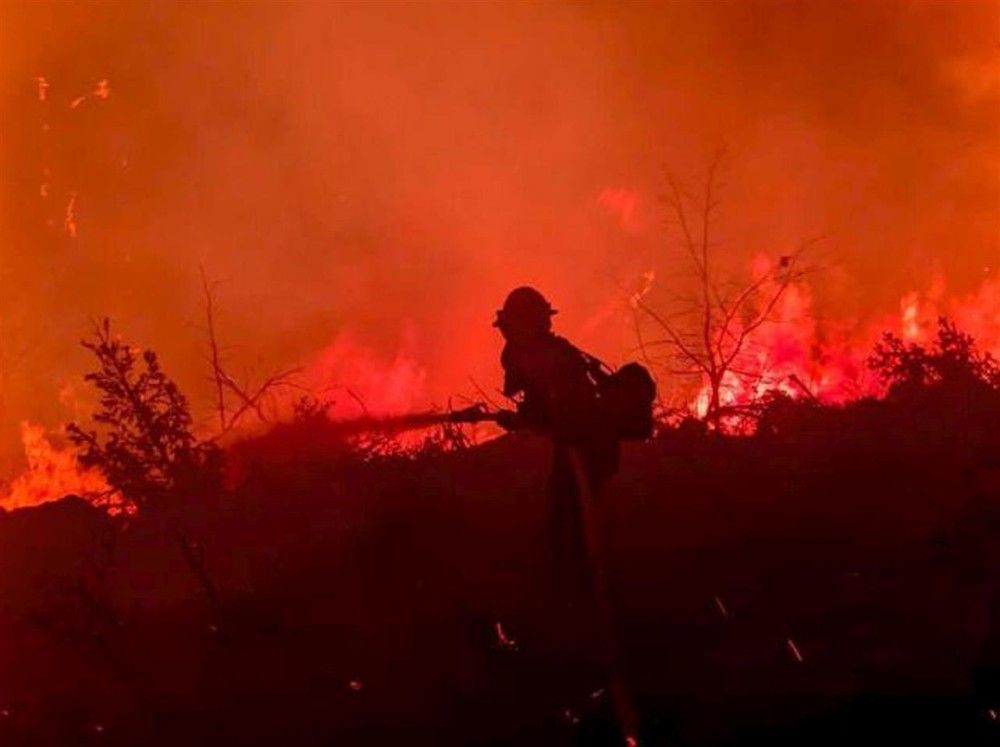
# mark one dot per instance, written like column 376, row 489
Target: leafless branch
column 712, row 333
column 482, row 393
column 250, row 399
column 217, row 375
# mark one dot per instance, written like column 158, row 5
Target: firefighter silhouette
column 584, row 409
column 557, row 390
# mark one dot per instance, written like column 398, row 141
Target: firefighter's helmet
column 524, row 307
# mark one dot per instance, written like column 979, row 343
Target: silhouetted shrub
column 145, row 448
column 952, row 360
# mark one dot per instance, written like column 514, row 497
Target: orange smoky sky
column 365, row 181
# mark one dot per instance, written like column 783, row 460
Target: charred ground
column 827, row 580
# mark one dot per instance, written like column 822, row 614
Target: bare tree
column 709, row 332
column 235, row 398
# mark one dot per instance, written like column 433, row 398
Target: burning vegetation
column 821, row 563
column 294, row 518
column 758, row 342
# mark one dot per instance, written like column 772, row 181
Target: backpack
column 627, row 395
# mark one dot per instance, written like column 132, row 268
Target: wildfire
column 796, row 354
column 799, row 356
column 51, row 473
column 362, row 383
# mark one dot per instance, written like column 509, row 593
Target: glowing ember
column 793, row 649
column 69, row 222
column 103, row 89
column 721, row 607
column 503, row 639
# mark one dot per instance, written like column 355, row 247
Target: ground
column 826, row 581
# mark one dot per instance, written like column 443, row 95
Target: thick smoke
column 377, row 176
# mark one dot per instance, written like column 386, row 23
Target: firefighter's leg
column 590, row 532
column 557, row 523
column 569, row 562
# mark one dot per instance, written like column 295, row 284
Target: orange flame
column 362, row 383
column 51, row 474
column 799, row 356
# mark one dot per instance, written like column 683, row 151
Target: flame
column 51, row 474
column 798, row 356
column 910, row 317
column 363, row 383
column 102, row 90
column 69, row 221
column 365, row 194
column 795, row 354
column 978, row 313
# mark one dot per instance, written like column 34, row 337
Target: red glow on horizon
column 364, row 223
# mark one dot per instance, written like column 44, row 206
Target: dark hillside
column 827, row 581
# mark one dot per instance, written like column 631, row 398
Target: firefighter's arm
column 528, row 415
column 509, row 420
column 514, row 390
